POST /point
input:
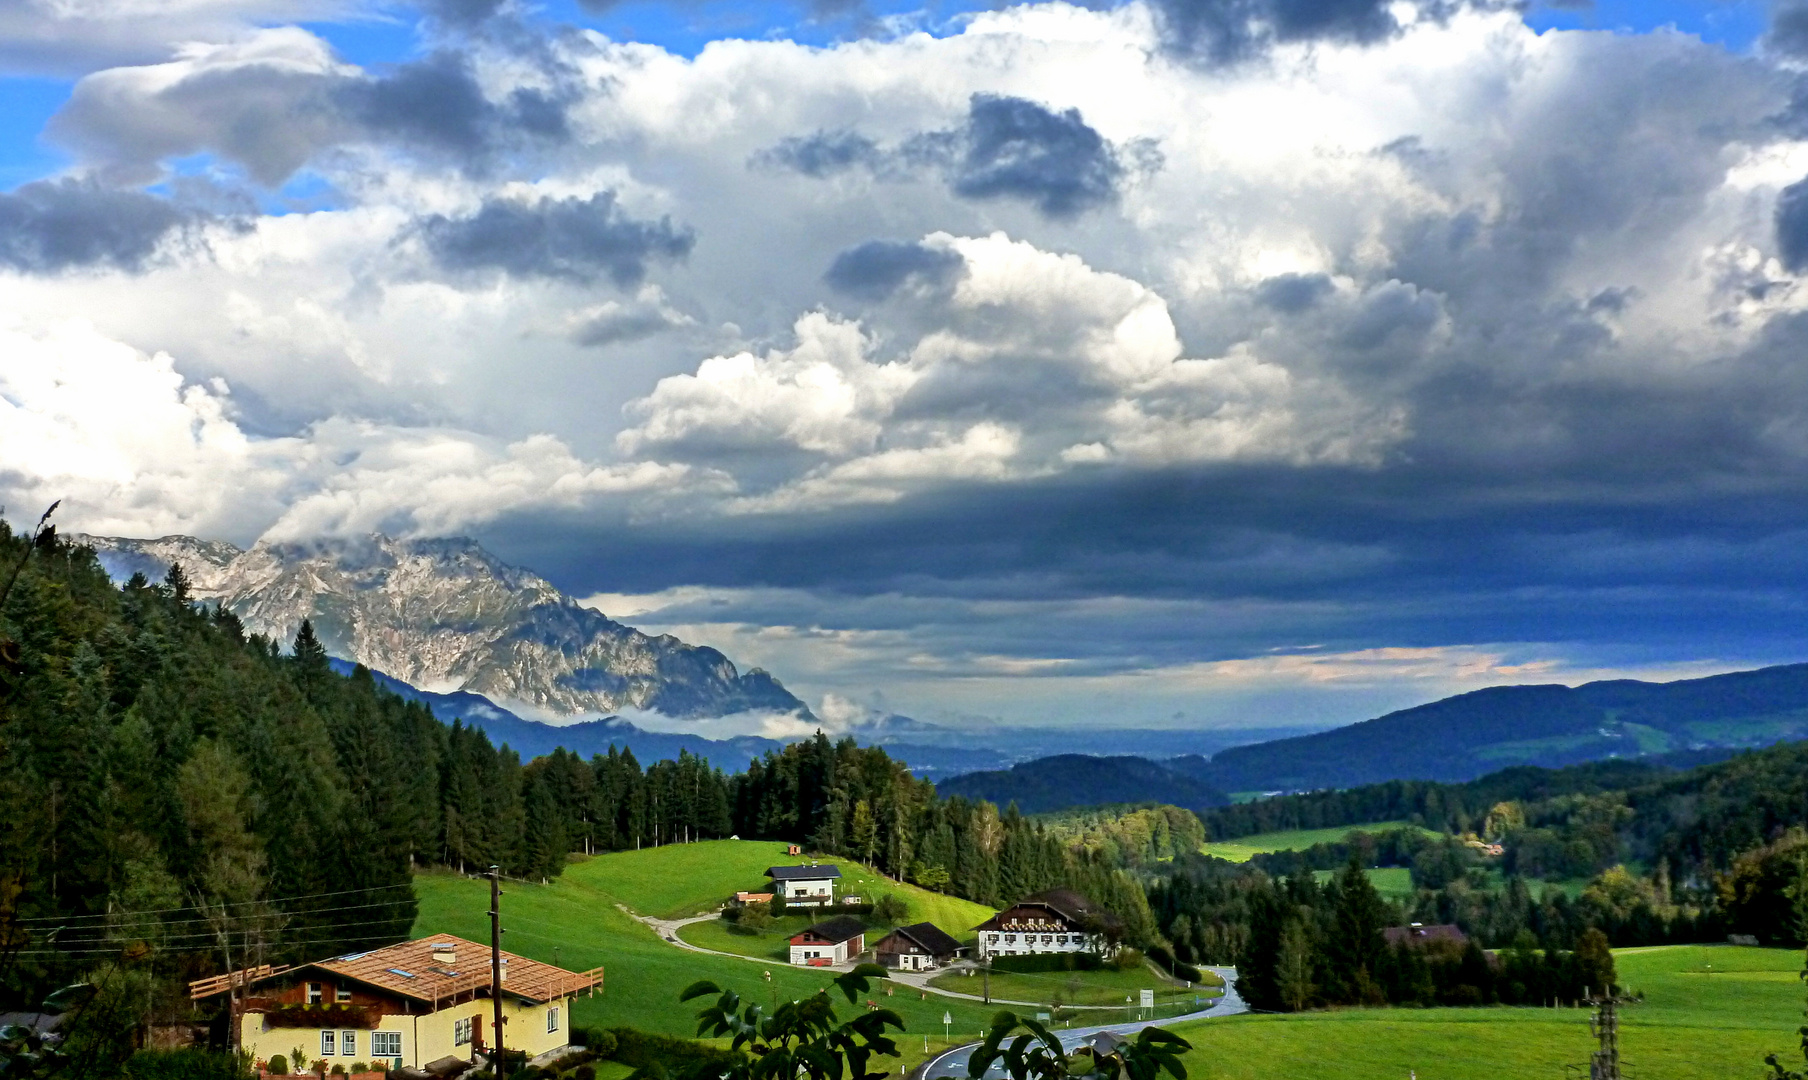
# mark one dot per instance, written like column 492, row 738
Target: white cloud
column 133, row 448
column 1033, row 363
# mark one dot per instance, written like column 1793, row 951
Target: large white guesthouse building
column 1056, row 921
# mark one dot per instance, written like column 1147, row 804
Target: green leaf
column 698, row 989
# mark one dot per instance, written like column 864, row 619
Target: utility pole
column 496, row 1064
column 1604, row 1064
column 987, row 971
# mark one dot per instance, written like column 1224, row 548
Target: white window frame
column 341, row 992
column 314, row 993
column 390, row 1038
column 552, row 1019
column 348, row 1044
column 326, row 1043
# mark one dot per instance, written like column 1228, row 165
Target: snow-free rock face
column 446, row 615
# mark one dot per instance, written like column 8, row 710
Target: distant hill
column 1068, row 780
column 1471, row 735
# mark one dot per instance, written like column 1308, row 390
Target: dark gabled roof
column 802, row 873
column 1069, row 905
column 1422, row 935
column 931, row 937
column 837, row 930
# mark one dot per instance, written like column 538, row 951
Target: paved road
column 953, row 1064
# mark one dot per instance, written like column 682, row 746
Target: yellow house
column 407, row 1004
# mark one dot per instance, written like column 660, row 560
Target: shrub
column 1126, row 959
column 891, row 908
column 640, row 1048
column 584, row 1072
column 279, row 1065
column 1047, row 962
column 338, row 1068
column 359, row 1066
column 598, row 1041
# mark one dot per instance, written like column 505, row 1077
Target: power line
column 242, row 903
column 251, row 915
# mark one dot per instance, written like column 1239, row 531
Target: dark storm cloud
column 1017, row 149
column 1293, row 293
column 436, row 103
column 1225, row 31
column 823, row 154
column 1788, row 33
column 1792, row 225
column 1007, row 148
column 575, row 239
column 52, row 225
column 876, row 269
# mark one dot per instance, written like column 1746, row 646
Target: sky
column 1144, row 363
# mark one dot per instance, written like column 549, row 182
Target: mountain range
column 1473, row 734
column 445, row 615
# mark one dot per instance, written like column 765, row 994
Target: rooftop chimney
column 445, row 952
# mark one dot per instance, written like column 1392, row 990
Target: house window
column 326, row 1044
column 552, row 1019
column 461, row 1032
column 385, row 1044
column 342, row 993
column 348, row 1043
column 313, row 993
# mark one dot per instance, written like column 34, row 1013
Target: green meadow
column 1103, row 987
column 1709, row 1013
column 577, row 923
column 1243, row 847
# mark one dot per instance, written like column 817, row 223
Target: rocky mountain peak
column 446, row 615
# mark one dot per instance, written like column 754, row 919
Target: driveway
column 953, row 1064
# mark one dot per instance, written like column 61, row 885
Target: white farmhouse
column 812, row 885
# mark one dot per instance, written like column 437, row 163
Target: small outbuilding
column 917, row 947
column 833, row 942
column 1418, row 934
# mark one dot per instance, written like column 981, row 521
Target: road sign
column 1148, row 1001
column 947, row 1018
column 1042, row 1016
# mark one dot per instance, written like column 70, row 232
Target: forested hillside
column 1068, row 780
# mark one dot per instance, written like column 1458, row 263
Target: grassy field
column 772, row 944
column 1693, row 1025
column 688, row 879
column 575, row 923
column 1392, row 882
column 1240, row 849
column 1105, row 987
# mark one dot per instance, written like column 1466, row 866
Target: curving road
column 953, row 1064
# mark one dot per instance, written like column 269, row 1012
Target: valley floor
column 1710, row 1012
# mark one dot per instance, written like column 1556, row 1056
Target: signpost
column 947, row 1023
column 1148, row 1000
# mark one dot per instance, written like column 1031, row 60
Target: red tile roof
column 410, row 970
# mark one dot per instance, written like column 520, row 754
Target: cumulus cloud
column 1037, row 363
column 132, row 447
column 575, row 239
column 49, row 225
